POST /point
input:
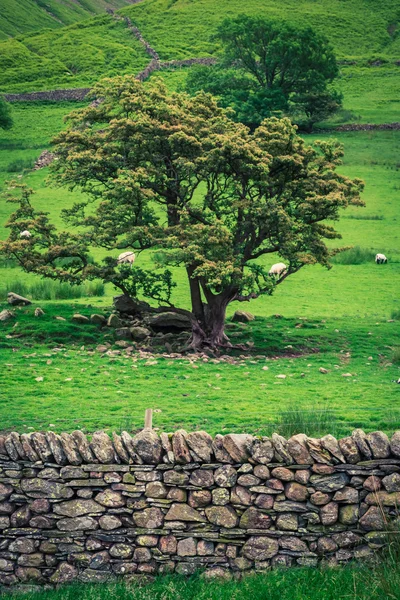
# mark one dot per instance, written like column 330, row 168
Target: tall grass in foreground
column 379, row 582
column 51, row 290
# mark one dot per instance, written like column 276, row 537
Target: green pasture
column 336, row 319
column 74, row 56
column 29, row 15
column 184, row 28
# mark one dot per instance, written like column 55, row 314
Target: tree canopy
column 175, row 175
column 268, row 66
column 5, row 115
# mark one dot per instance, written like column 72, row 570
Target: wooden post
column 148, row 418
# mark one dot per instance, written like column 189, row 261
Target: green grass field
column 347, row 309
column 29, row 15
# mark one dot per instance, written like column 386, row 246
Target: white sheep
column 277, row 270
column 380, row 259
column 25, row 234
column 126, row 257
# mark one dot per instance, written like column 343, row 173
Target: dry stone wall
column 73, row 508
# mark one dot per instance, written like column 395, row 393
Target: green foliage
column 354, row 256
column 171, row 172
column 395, row 315
column 5, row 115
column 268, row 66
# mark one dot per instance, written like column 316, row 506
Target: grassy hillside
column 20, row 16
column 71, row 57
column 360, row 29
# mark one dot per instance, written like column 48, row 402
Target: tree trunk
column 208, row 330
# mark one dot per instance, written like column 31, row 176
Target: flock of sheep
column 276, row 270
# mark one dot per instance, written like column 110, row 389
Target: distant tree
column 268, row 66
column 6, row 121
column 174, row 174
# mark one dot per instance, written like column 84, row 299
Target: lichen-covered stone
column 262, row 450
column 70, row 449
column 220, row 496
column 83, row 446
column 64, row 573
column 180, row 447
column 150, row 518
column 238, row 446
column 201, row 443
column 260, row 548
column 176, row 478
column 225, row 476
column 183, row 512
column 77, row 524
column 287, row 522
column 187, row 547
column 148, row 446
column 349, row 450
column 102, row 448
column 360, row 439
column 295, row 491
column 349, row 514
column 379, row 444
column 77, row 508
column 395, row 444
column 253, row 518
column 329, row 483
column 373, row 519
column 41, row 446
column 329, row 513
column 156, row 489
column 224, row 516
column 42, row 488
column 240, row 495
column 330, row 443
column 202, row 478
column 56, row 448
column 297, row 448
column 109, row 522
column 110, row 499
column 199, row 498
column 391, row 482
column 221, row 455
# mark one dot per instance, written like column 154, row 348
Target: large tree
column 175, row 174
column 267, row 66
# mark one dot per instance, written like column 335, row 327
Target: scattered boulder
column 6, row 314
column 78, row 318
column 38, row 312
column 17, row 300
column 241, row 316
column 169, row 321
column 97, row 319
column 139, row 333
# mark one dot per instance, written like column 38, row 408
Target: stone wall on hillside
column 73, row 508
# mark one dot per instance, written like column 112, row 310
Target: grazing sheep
column 25, row 234
column 380, row 259
column 278, row 269
column 126, row 257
